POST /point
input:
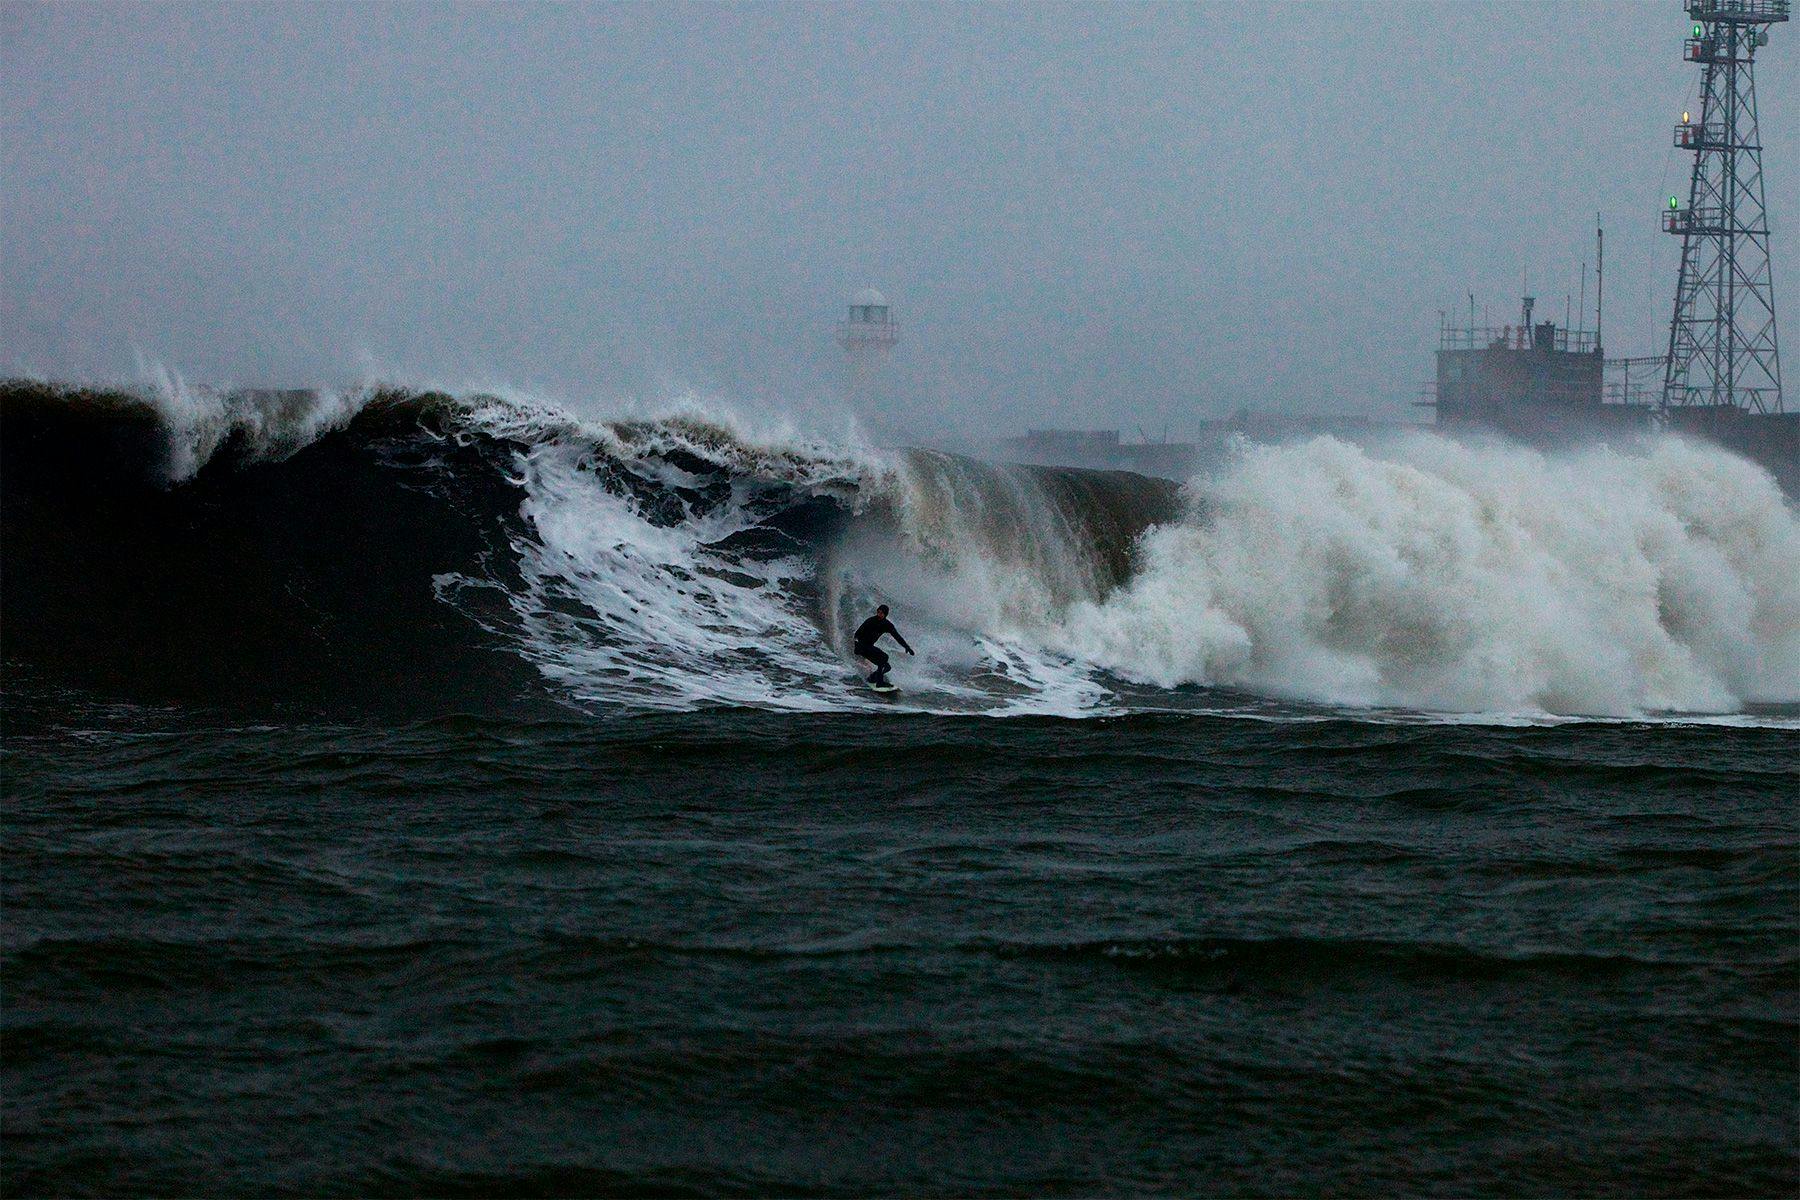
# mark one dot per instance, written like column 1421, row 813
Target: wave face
column 407, row 550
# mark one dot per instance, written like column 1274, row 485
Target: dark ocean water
column 731, row 952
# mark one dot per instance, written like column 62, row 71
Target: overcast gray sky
column 1089, row 215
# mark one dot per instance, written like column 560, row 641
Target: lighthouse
column 868, row 335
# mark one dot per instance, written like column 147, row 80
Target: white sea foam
column 636, row 599
column 1436, row 575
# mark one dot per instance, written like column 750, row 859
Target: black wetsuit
column 866, row 633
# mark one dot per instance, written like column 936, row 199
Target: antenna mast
column 1599, row 279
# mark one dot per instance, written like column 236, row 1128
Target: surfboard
column 883, row 688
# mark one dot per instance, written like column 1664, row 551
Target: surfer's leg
column 880, row 659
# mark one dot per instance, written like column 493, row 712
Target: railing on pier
column 1517, row 337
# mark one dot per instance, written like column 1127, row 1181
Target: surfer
column 866, row 636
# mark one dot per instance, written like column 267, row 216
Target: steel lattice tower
column 1722, row 344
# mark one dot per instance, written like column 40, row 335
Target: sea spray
column 1437, row 575
column 260, row 424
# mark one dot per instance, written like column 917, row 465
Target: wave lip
column 282, row 561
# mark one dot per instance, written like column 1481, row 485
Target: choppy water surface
column 730, row 952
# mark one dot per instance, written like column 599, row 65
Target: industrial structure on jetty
column 1544, row 383
column 1720, row 374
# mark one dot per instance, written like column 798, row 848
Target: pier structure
column 1536, row 381
column 1720, row 375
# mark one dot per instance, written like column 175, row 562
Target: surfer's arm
column 900, row 639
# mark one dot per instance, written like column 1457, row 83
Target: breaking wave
column 392, row 548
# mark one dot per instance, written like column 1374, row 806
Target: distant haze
column 1084, row 215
